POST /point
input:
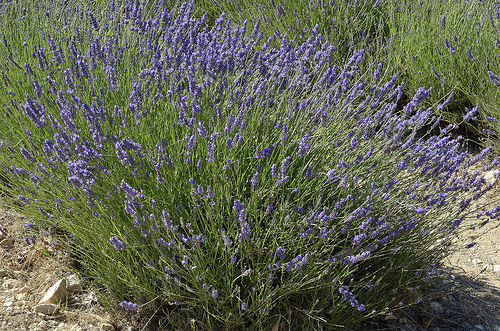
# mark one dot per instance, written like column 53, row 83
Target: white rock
column 11, row 284
column 73, row 284
column 476, row 261
column 490, row 178
column 390, row 316
column 107, row 327
column 496, row 268
column 8, row 303
column 46, row 308
column 436, row 306
column 56, row 293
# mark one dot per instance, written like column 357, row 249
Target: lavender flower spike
column 255, row 179
column 117, row 243
column 129, row 306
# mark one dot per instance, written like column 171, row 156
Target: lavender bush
column 199, row 170
column 451, row 45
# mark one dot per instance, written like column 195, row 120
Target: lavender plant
column 230, row 181
column 451, row 45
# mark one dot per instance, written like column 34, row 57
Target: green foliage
column 329, row 209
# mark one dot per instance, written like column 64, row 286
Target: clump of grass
column 232, row 181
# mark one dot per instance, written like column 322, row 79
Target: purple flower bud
column 117, row 243
column 265, row 152
column 93, row 21
column 471, row 114
column 494, row 78
column 472, row 244
column 280, row 253
column 202, row 131
column 469, row 54
column 129, row 306
column 255, row 179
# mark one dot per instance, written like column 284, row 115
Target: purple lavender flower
column 215, row 294
column 202, row 131
column 304, row 145
column 358, row 239
column 348, row 296
column 309, row 172
column 255, row 179
column 129, row 306
column 265, row 152
column 117, row 243
column 27, row 155
column 472, row 244
column 284, row 165
column 471, row 114
column 244, row 306
column 280, row 252
column 273, row 171
column 438, row 76
column 494, row 78
column 469, row 54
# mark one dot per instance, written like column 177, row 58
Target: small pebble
column 437, row 308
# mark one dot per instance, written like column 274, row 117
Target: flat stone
column 73, row 284
column 3, row 273
column 390, row 317
column 7, row 242
column 56, row 293
column 46, row 308
column 496, row 268
column 437, row 307
column 490, row 178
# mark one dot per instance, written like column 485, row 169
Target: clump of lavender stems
column 211, row 172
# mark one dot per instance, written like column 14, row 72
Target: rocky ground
column 38, row 290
